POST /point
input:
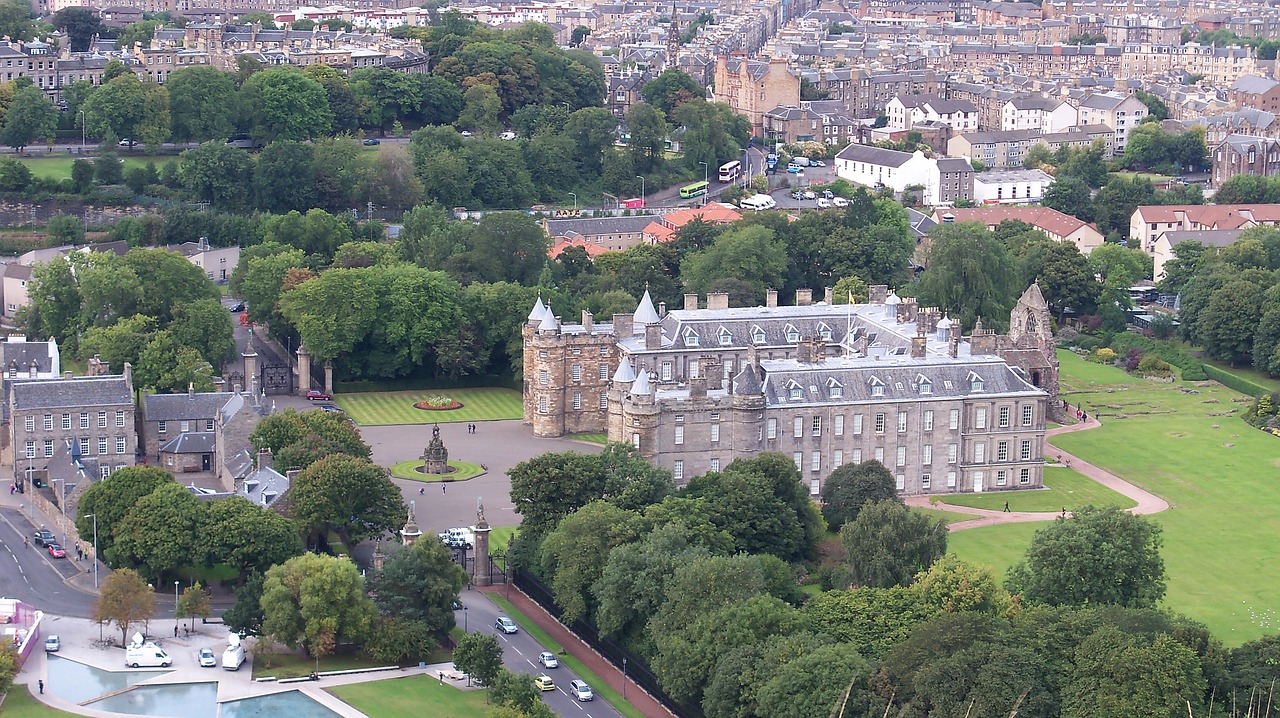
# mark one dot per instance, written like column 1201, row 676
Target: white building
column 906, row 111
column 1046, row 114
column 1119, row 112
column 1010, row 186
column 944, row 180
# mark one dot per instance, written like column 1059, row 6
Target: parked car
column 581, row 690
column 371, row 142
column 43, row 537
column 314, row 395
column 792, row 170
column 466, row 133
column 455, row 605
column 828, row 194
column 207, row 659
column 797, row 195
column 817, row 163
column 809, row 194
column 840, row 202
column 548, row 660
column 824, row 203
column 239, row 307
column 506, row 625
column 52, row 644
column 508, row 135
column 460, row 537
column 544, row 683
column 56, row 551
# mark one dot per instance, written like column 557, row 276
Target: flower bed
column 438, row 403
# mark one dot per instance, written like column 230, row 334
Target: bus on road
column 696, row 189
column 729, row 171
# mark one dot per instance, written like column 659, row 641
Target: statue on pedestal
column 436, row 457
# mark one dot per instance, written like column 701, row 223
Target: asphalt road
column 520, row 655
column 36, row 577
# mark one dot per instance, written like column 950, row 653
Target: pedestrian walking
column 175, row 631
column 1006, row 507
column 1064, row 512
column 443, row 487
column 41, row 684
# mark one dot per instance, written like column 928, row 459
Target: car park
column 56, row 551
column 52, row 644
column 43, row 537
column 809, row 194
column 314, row 395
column 824, row 203
column 581, row 690
column 840, row 202
column 506, row 625
column 207, row 658
column 544, row 683
column 548, row 660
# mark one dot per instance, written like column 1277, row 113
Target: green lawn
column 499, row 537
column 610, row 696
column 1065, row 488
column 417, row 695
column 396, row 407
column 943, row 515
column 462, row 471
column 58, row 167
column 19, row 703
column 294, row 665
column 600, row 439
column 1218, row 474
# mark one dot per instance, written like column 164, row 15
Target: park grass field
column 601, row 439
column 943, row 515
column 462, row 471
column 19, row 703
column 1218, row 474
column 58, row 167
column 1065, row 488
column 398, row 697
column 384, row 408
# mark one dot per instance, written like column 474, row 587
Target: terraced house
column 693, row 389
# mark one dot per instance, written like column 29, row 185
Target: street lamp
column 641, row 178
column 83, row 141
column 706, row 179
column 575, row 201
column 465, row 625
column 624, row 678
column 175, row 609
column 95, row 548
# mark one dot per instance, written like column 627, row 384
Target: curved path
column 1147, row 502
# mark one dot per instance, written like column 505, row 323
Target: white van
column 233, row 656
column 759, row 202
column 140, row 654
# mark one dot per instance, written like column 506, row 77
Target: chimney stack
column 690, row 302
column 918, row 344
column 877, row 293
column 828, row 295
column 266, row 460
column 804, row 297
column 623, row 325
column 653, row 336
column 771, row 298
column 587, row 321
column 718, row 300
column 953, row 341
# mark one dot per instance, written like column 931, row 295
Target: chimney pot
column 690, row 302
column 771, row 298
column 718, row 300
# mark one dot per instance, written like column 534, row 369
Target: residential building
column 624, row 91
column 1218, row 65
column 1082, row 136
column 1005, row 148
column 1035, row 112
column 1245, row 155
column 1149, row 222
column 752, row 87
column 1120, row 112
column 94, row 414
column 824, row 384
column 943, row 180
column 23, row 359
column 218, row 263
column 1058, row 226
column 819, row 121
column 1162, row 248
column 905, row 111
column 1010, row 186
column 606, row 234
column 1260, row 93
column 13, row 286
column 1153, row 29
column 662, row 228
column 177, row 430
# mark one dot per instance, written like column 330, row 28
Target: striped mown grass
column 396, row 407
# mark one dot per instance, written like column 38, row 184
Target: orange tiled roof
column 563, row 243
column 1212, row 216
column 1045, row 218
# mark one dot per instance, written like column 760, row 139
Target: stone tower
column 410, row 532
column 481, row 570
column 436, row 457
column 1029, row 344
column 673, row 39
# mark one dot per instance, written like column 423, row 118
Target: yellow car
column 544, row 683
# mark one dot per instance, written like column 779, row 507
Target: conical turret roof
column 645, row 313
column 535, row 315
column 548, row 319
column 625, row 373
column 642, row 384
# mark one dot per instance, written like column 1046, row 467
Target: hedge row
column 1192, row 368
column 1239, row 383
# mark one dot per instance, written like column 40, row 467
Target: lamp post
column 95, row 548
column 465, row 624
column 175, row 609
column 641, row 178
column 706, row 179
column 624, row 678
column 83, row 140
column 575, row 201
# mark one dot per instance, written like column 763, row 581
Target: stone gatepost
column 250, row 368
column 304, row 371
column 410, row 532
column 481, row 575
column 328, row 377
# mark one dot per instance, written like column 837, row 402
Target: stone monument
column 482, row 575
column 435, row 459
column 410, row 532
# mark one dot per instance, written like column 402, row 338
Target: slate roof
column 1050, row 220
column 855, row 378
column 264, row 486
column 68, row 393
column 23, row 354
column 1243, row 143
column 995, row 136
column 190, row 442
column 954, row 164
column 1253, row 84
column 185, row 407
column 598, row 225
column 1207, row 237
column 874, row 155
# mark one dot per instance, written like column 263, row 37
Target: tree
column 874, row 619
column 713, row 133
column 1070, row 196
column 1119, row 675
column 80, row 24
column 386, row 96
column 516, row 691
column 125, row 599
column 396, row 639
column 137, row 33
column 167, row 367
column 1094, row 556
column 480, row 110
column 316, row 232
column 580, row 33
column 217, row 173
column 315, row 601
column 249, row 538
column 347, row 495
column 571, row 554
column 65, row 229
column 194, row 602
column 204, row 325
column 82, row 175
column 750, row 254
column 15, row 20
column 479, row 656
column 113, row 497
column 549, row 487
column 121, row 342
column 648, row 129
column 672, row 88
column 32, row 117
column 952, row 586
column 420, row 583
column 245, row 616
column 887, row 545
column 285, row 104
column 1155, row 106
column 282, row 179
column 851, row 487
column 1228, row 324
column 1064, row 276
column 969, row 274
column 810, row 684
column 157, row 535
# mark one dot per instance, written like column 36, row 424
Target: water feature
column 294, row 704
column 76, row 682
column 177, row 700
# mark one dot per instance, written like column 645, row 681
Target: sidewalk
column 637, row 697
column 1147, row 502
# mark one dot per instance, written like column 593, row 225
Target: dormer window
column 726, row 338
column 797, row 393
column 975, row 382
column 691, row 339
column 824, row 331
column 926, row 386
column 757, row 335
column 793, row 334
column 835, row 389
column 877, row 387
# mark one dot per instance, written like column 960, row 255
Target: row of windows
column 575, row 373
column 84, row 419
column 1003, row 421
column 162, row 427
column 602, row 402
column 926, row 479
column 85, row 444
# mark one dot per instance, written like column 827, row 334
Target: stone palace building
column 694, row 389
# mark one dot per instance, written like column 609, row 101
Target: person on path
column 1006, row 507
column 422, row 491
column 41, row 684
column 443, row 487
column 1064, row 512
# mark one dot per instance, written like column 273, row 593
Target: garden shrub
column 1102, row 356
column 1239, row 383
column 1152, row 365
column 1133, row 360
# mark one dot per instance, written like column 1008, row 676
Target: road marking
column 517, row 650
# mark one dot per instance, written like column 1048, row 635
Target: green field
column 19, row 703
column 463, row 471
column 293, row 665
column 58, row 167
column 1218, row 474
column 396, row 407
column 950, row 517
column 600, row 439
column 1064, row 488
column 417, row 695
